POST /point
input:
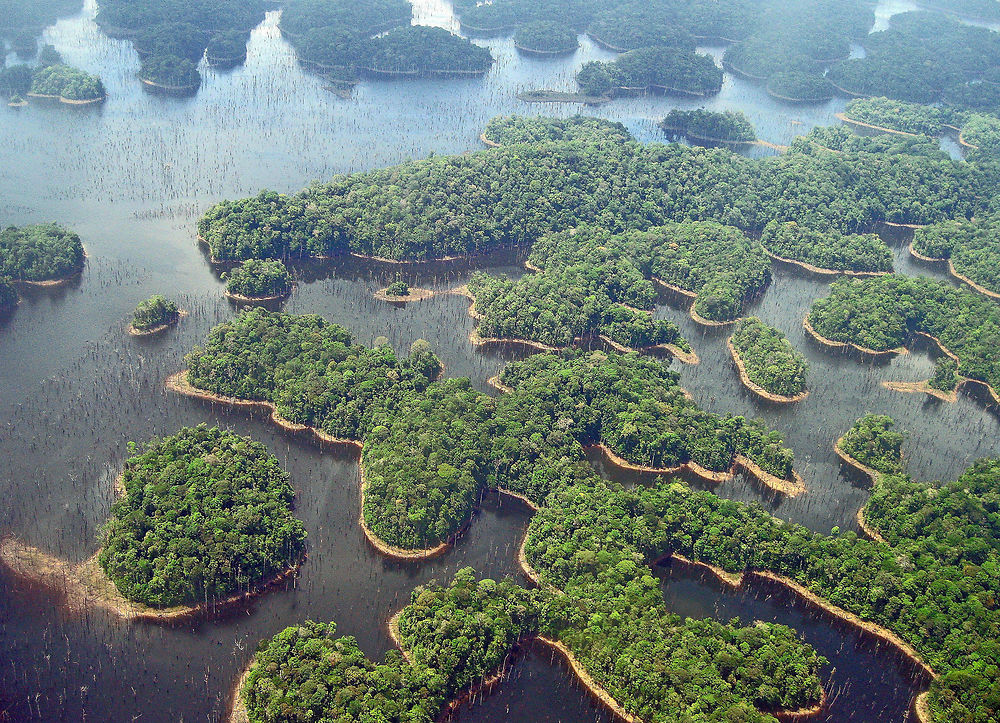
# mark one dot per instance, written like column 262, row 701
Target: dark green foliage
column 472, row 203
column 455, row 636
column 8, row 295
column 258, row 279
column 205, row 514
column 180, row 39
column 945, row 375
column 17, row 16
column 67, row 82
column 882, row 312
column 48, row 55
column 635, row 25
column 418, row 49
column 171, row 72
column 398, row 288
column 844, row 140
column 971, row 246
column 361, row 18
column 431, row 448
column 873, row 442
column 507, row 130
column 769, row 358
column 45, row 252
column 983, row 131
column 830, row 250
column 710, row 125
column 898, row 115
column 16, row 79
column 153, row 312
column 655, row 68
column 227, row 47
column 975, row 95
column 918, row 57
column 505, row 15
column 545, row 36
column 24, row 44
column 799, row 86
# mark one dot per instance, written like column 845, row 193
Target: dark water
column 133, row 175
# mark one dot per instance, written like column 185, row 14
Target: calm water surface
column 133, row 175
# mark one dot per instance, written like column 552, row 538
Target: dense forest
column 44, row 252
column 945, row 376
column 313, row 375
column 420, row 50
column 545, row 36
column 830, row 250
column 708, row 125
column 259, row 279
column 882, row 313
column 799, row 87
column 154, row 312
column 645, row 69
column 203, row 514
column 843, row 140
column 873, row 441
column 477, row 202
column 170, row 72
column 508, row 130
column 769, row 359
column 8, row 295
column 970, row 246
column 68, row 83
column 899, row 115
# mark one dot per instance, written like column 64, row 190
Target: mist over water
column 133, row 175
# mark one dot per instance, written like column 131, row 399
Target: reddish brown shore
column 848, row 345
column 756, row 388
column 487, row 142
column 414, row 295
column 157, row 329
column 924, row 387
column 843, row 117
column 693, row 296
column 821, row 271
column 254, row 299
column 85, row 584
column 951, row 270
column 874, row 475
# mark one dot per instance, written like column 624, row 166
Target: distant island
column 257, row 280
column 154, row 315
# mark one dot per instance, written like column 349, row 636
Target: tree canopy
column 66, row 82
column 44, row 252
column 710, row 125
column 970, row 246
column 258, row 279
column 153, row 312
column 829, row 250
column 769, row 359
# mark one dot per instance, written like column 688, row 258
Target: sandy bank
column 756, row 388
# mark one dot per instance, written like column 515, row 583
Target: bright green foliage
column 769, row 358
column 8, row 295
column 44, row 252
column 880, row 313
column 205, row 514
column 171, row 72
column 430, row 448
column 971, row 246
column 827, row 249
column 655, row 68
column 873, row 442
column 710, row 125
column 920, row 56
column 898, row 115
column 398, row 288
column 257, row 279
column 842, row 139
column 983, row 131
column 507, row 130
column 546, row 36
column 67, row 82
column 471, row 203
column 153, row 312
column 945, row 375
column 799, row 86
column 455, row 636
column 418, row 49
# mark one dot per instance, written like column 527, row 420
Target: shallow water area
column 133, row 175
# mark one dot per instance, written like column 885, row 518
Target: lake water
column 133, row 175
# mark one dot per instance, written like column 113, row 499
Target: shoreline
column 545, row 53
column 844, row 117
column 487, row 142
column 237, row 711
column 791, row 488
column 559, row 96
column 693, row 295
column 873, row 473
column 849, row 345
column 85, row 583
column 756, row 388
column 821, row 270
column 414, row 295
column 169, row 88
column 255, row 299
column 951, row 270
column 924, row 387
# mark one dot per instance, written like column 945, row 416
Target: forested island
column 154, row 315
column 371, row 396
column 544, row 37
column 842, row 140
column 41, row 254
column 767, row 362
column 969, row 247
column 69, row 85
column 796, row 86
column 508, row 130
column 258, row 280
column 170, row 73
column 474, row 203
column 827, row 251
column 872, row 444
column 204, row 514
column 420, row 50
column 701, row 124
column 881, row 314
column 647, row 69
